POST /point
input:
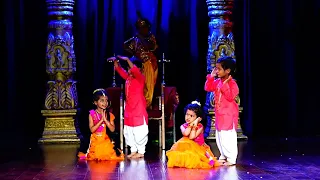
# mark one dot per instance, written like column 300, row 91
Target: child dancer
column 101, row 147
column 191, row 151
column 226, row 109
column 135, row 113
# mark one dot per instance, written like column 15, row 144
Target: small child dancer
column 226, row 109
column 191, row 151
column 101, row 147
column 135, row 113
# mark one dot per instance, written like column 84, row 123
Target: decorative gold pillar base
column 212, row 134
column 59, row 126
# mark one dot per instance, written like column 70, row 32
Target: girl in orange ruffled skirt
column 101, row 146
column 191, row 151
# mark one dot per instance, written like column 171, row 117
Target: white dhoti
column 136, row 137
column 227, row 144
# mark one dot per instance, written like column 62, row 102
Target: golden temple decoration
column 61, row 98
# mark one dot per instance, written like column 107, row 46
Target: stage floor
column 258, row 159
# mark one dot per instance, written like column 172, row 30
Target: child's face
column 190, row 116
column 222, row 73
column 102, row 103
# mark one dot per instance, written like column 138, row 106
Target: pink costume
column 135, row 112
column 226, row 115
column 200, row 139
column 226, row 108
column 96, row 118
column 136, row 104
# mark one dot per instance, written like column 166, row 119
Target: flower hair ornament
column 196, row 102
column 100, row 89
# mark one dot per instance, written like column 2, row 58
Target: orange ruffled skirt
column 188, row 154
column 100, row 148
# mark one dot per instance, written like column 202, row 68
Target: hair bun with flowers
column 196, row 102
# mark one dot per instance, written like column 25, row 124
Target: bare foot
column 132, row 154
column 228, row 164
column 138, row 155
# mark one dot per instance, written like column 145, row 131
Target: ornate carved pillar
column 220, row 43
column 61, row 99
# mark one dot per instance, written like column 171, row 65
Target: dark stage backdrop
column 277, row 61
column 277, row 41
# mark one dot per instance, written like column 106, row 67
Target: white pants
column 136, row 137
column 227, row 144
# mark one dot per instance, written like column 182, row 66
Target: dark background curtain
column 276, row 49
column 276, row 45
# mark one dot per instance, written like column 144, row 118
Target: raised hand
column 105, row 120
column 112, row 59
column 124, row 58
column 214, row 72
column 195, row 122
column 104, row 116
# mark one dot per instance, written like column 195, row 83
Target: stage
column 270, row 158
